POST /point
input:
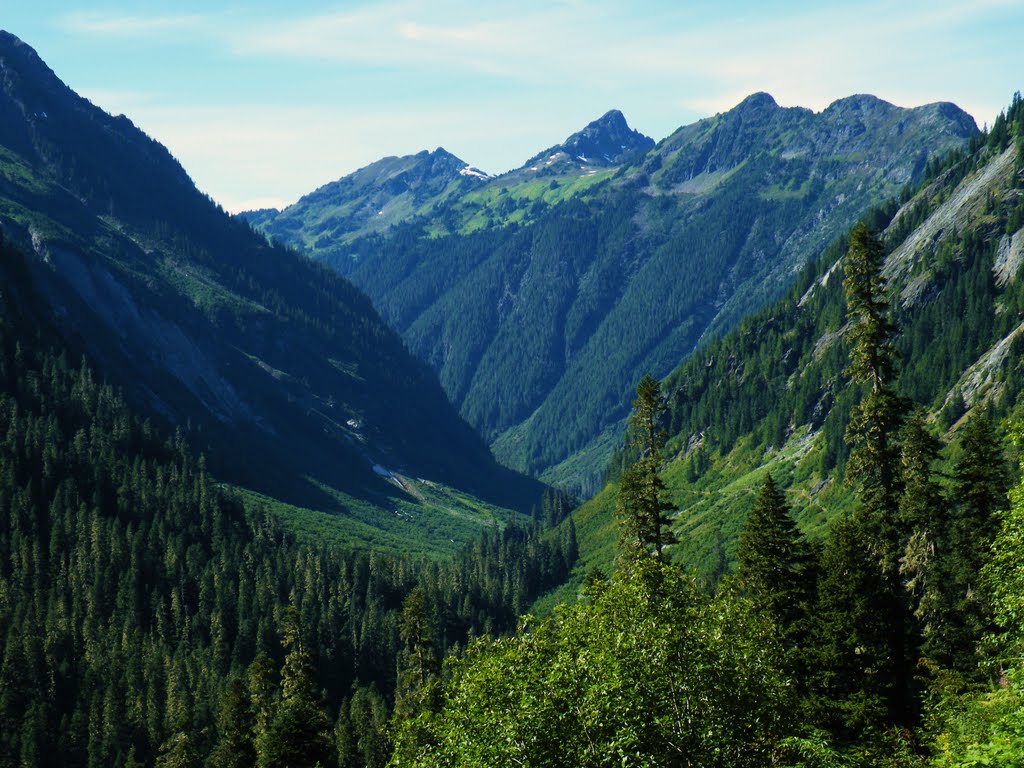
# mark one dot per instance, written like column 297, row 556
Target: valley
column 694, row 451
column 577, row 277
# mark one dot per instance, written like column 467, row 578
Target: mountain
column 607, row 141
column 278, row 370
column 372, row 199
column 774, row 394
column 542, row 296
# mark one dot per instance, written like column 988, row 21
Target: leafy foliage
column 650, row 671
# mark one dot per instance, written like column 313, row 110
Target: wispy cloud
column 494, row 83
column 458, row 36
column 130, row 25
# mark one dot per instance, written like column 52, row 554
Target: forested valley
column 891, row 638
column 149, row 617
column 808, row 551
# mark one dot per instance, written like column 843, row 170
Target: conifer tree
column 922, row 511
column 980, row 485
column 774, row 561
column 876, row 420
column 235, row 726
column 418, row 663
column 299, row 734
column 642, row 507
column 855, row 669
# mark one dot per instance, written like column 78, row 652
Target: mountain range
column 338, row 578
column 542, row 295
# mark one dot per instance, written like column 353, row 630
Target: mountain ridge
column 278, row 369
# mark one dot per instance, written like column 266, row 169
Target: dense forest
column 147, row 615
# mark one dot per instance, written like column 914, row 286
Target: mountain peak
column 606, row 141
column 757, row 101
column 859, row 103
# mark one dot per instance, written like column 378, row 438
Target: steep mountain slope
column 543, row 296
column 774, row 393
column 276, row 368
column 135, row 585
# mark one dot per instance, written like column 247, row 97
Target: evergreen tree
column 922, row 511
column 855, row 669
column 299, row 734
column 642, row 505
column 876, row 420
column 418, row 662
column 236, row 728
column 980, row 484
column 774, row 561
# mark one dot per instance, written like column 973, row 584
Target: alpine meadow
column 701, row 450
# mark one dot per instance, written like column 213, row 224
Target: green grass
column 712, row 507
column 15, row 171
column 424, row 519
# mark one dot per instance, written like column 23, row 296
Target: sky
column 264, row 101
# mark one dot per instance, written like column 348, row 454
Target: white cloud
column 130, row 26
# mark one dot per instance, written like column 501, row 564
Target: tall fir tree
column 855, row 671
column 236, row 729
column 874, row 464
column 922, row 511
column 875, row 469
column 642, row 507
column 980, row 485
column 418, row 663
column 299, row 734
column 775, row 563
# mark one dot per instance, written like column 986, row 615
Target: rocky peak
column 859, row 105
column 756, row 102
column 606, row 141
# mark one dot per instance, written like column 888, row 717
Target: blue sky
column 264, row 101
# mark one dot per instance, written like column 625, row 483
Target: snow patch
column 476, row 173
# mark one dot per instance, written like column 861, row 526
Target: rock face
column 608, row 140
column 260, row 356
